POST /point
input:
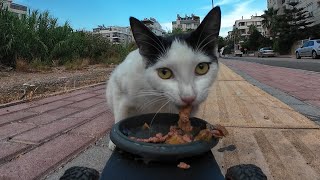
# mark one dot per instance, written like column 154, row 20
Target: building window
column 241, row 24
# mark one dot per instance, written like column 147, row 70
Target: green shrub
column 40, row 42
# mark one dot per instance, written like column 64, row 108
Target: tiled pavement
column 37, row 137
column 302, row 84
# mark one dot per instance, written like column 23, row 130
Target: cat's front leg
column 121, row 111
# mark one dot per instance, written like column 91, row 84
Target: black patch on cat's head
column 203, row 39
column 151, row 46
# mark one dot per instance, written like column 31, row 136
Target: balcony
column 18, row 7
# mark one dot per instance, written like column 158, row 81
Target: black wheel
column 80, row 173
column 314, row 55
column 245, row 172
column 298, row 56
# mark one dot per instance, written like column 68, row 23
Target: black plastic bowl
column 132, row 126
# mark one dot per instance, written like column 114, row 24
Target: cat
column 165, row 73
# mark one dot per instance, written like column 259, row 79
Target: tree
column 256, row 40
column 298, row 20
column 290, row 27
column 269, row 20
column 314, row 32
column 221, row 42
column 177, row 31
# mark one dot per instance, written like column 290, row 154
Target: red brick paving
column 81, row 97
column 17, row 107
column 50, row 106
column 14, row 129
column 58, row 128
column 36, row 163
column 51, row 116
column 304, row 85
column 9, row 149
column 92, row 111
column 87, row 103
column 42, row 133
column 4, row 119
column 96, row 127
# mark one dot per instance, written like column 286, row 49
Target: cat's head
column 184, row 66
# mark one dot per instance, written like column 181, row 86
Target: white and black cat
column 165, row 73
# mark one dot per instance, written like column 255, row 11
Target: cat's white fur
column 134, row 89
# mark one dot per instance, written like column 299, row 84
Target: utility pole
column 212, row 3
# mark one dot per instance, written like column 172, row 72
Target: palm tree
column 269, row 19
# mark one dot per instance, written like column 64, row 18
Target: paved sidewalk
column 263, row 130
column 39, row 137
column 301, row 84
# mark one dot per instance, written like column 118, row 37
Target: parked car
column 266, row 52
column 238, row 53
column 310, row 48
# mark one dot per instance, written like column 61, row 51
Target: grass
column 78, row 64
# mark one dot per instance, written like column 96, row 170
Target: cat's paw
column 111, row 146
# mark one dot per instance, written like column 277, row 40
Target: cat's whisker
column 151, row 45
column 161, row 44
column 207, row 44
column 158, row 112
column 199, row 46
column 148, row 93
column 151, row 102
column 205, row 25
column 141, row 95
column 171, row 109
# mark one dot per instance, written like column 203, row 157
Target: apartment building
column 243, row 25
column 312, row 6
column 154, row 26
column 186, row 23
column 116, row 34
column 13, row 7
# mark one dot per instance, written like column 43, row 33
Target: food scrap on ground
column 183, row 165
column 218, row 130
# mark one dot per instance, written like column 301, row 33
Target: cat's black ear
column 205, row 36
column 150, row 46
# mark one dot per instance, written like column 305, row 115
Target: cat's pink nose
column 188, row 100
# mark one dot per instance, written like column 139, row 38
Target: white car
column 266, row 52
column 310, row 48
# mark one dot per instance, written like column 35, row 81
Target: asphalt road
column 304, row 64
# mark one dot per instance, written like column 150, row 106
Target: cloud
column 220, row 3
column 225, row 2
column 19, row 1
column 167, row 26
column 237, row 10
column 243, row 9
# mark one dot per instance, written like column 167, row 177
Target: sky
column 85, row 14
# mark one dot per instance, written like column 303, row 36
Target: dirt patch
column 16, row 86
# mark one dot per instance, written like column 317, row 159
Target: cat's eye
column 202, row 68
column 165, row 73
